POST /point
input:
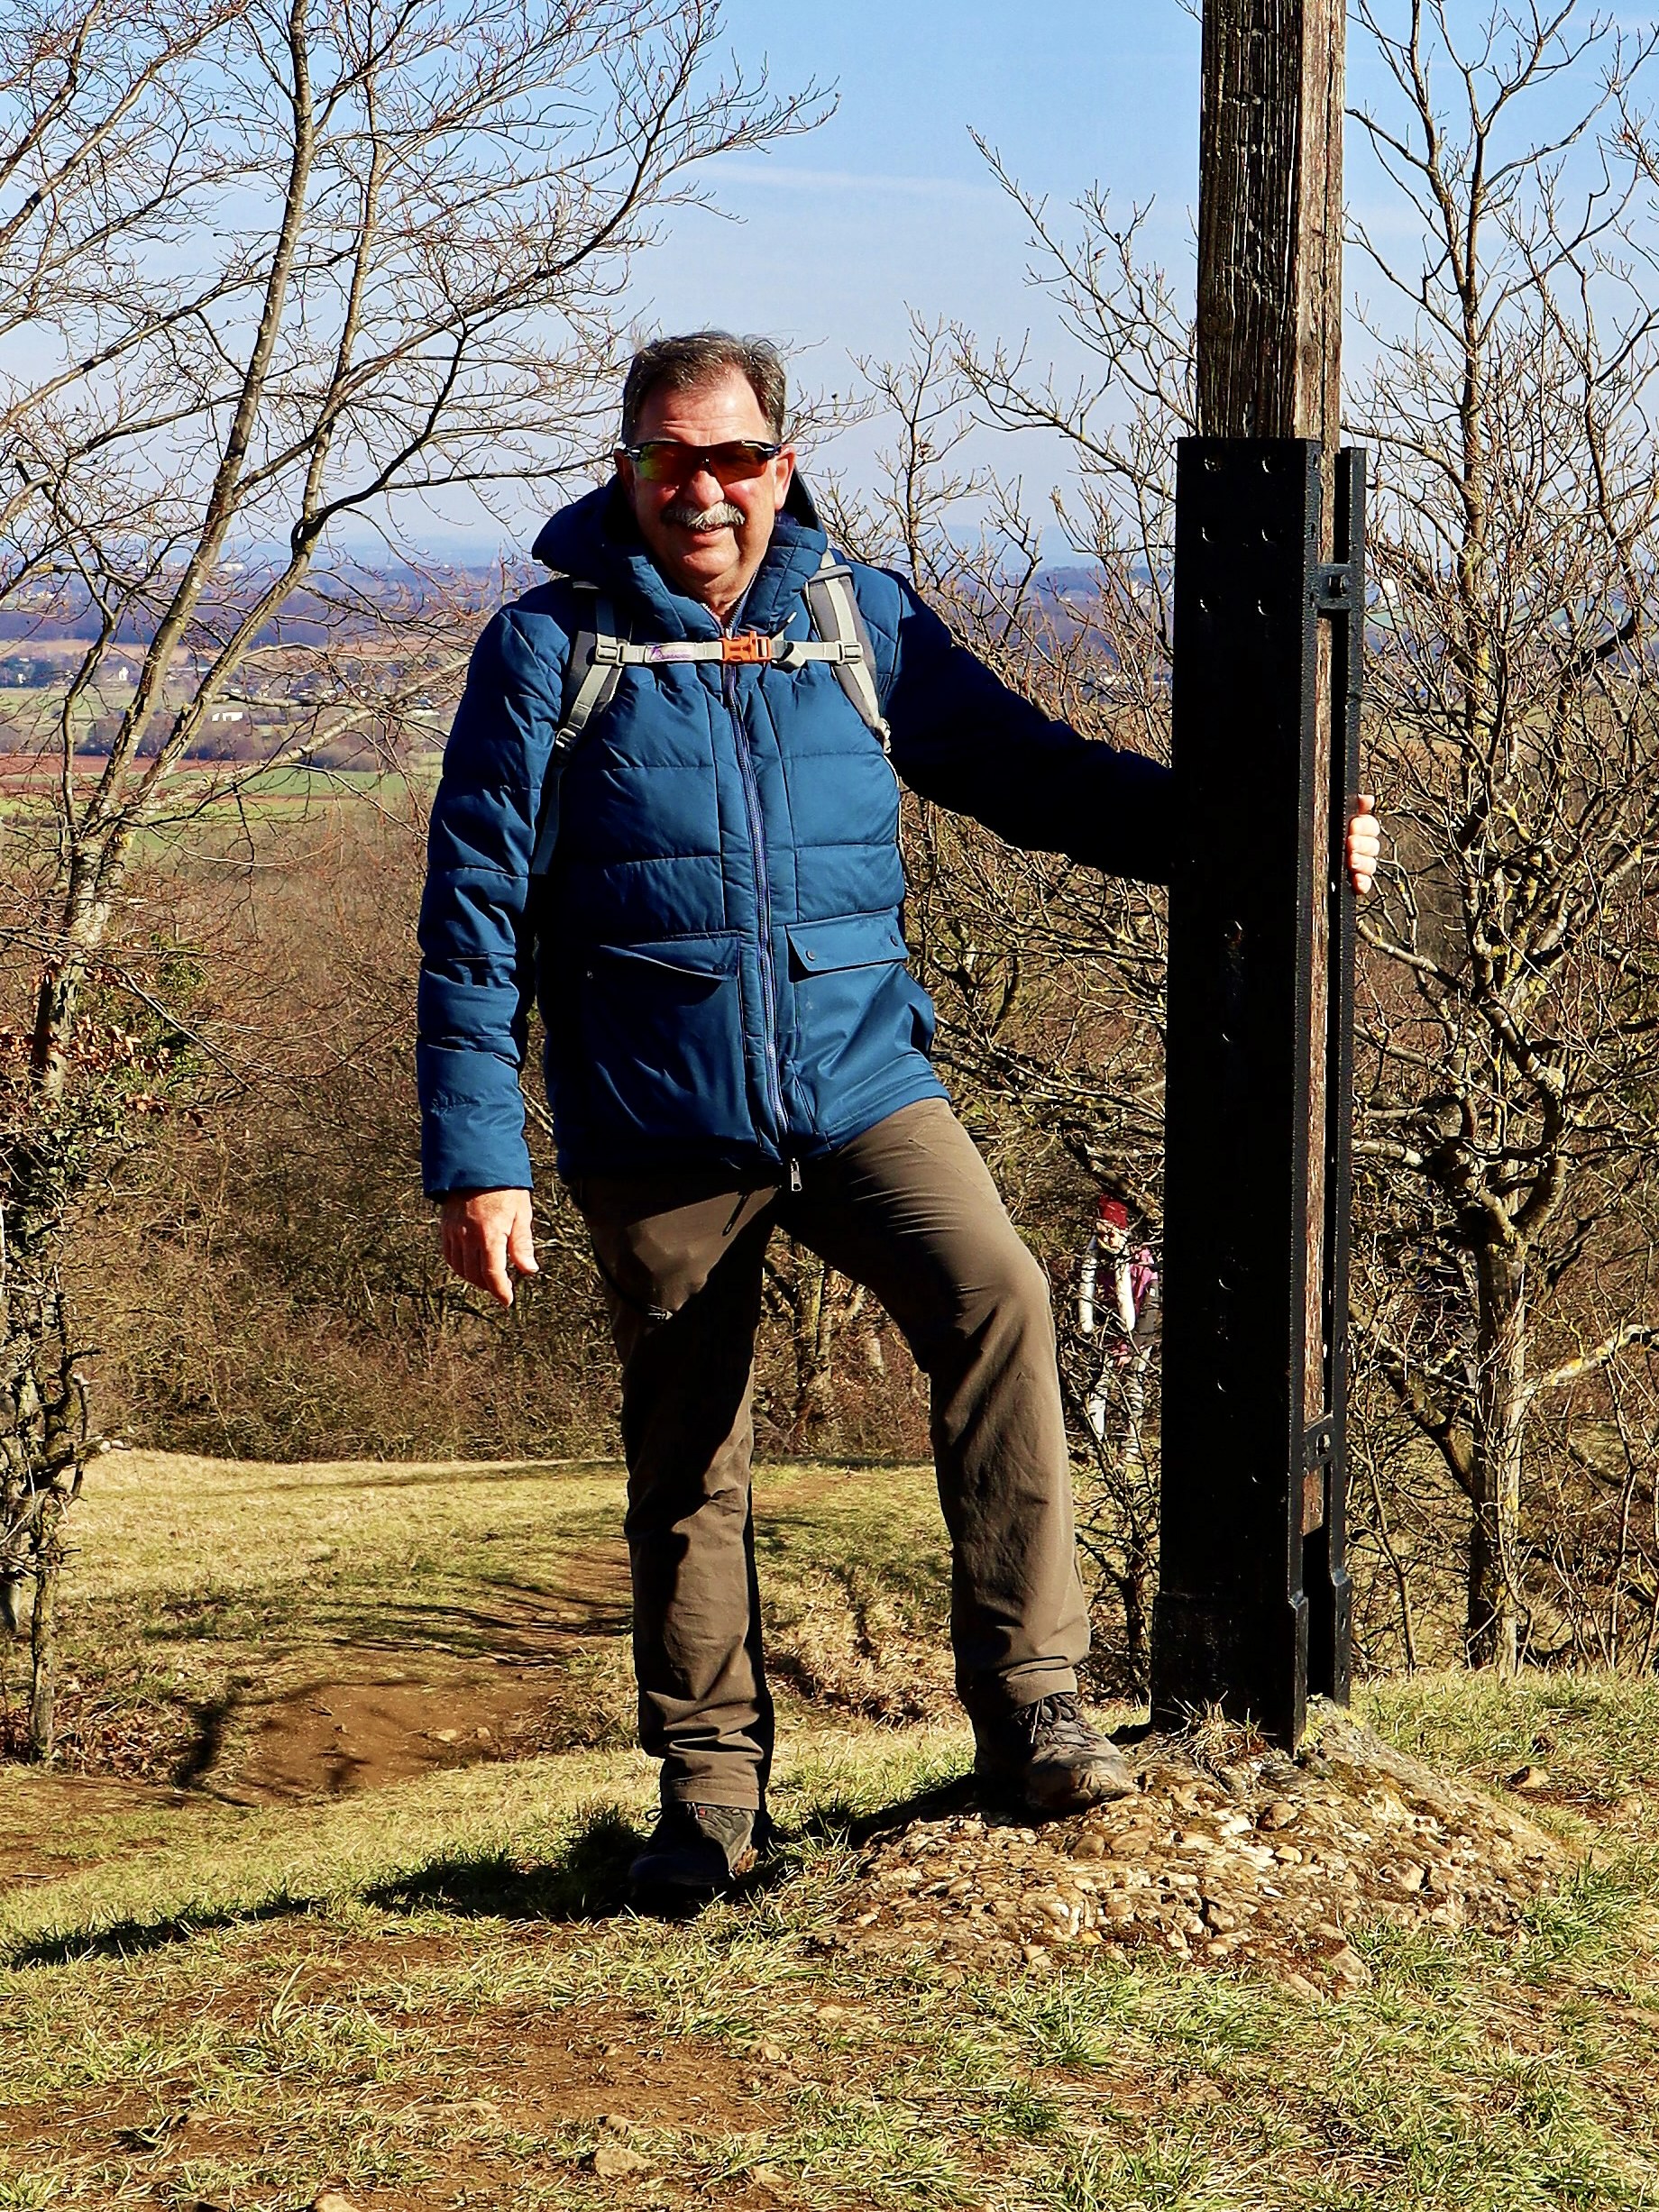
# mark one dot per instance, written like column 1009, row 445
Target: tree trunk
column 43, row 1694
column 1495, row 1595
column 43, row 1450
column 814, row 1349
column 1138, row 1587
column 1135, row 1410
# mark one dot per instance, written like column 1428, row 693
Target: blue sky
column 827, row 241
column 888, row 206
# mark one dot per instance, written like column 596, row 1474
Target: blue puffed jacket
column 718, row 953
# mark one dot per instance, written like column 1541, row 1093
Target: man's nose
column 705, row 487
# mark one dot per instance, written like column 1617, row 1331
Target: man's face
column 707, row 537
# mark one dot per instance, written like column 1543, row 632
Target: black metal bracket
column 1324, row 1569
column 1253, row 1610
column 1335, row 584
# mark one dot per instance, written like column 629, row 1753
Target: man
column 735, row 1044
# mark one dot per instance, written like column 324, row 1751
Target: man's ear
column 784, row 463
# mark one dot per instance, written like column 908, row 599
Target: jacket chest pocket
column 661, row 1035
column 844, row 943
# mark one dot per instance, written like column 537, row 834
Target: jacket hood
column 597, row 541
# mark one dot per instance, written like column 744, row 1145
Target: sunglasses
column 666, row 461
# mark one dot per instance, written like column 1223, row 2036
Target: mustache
column 722, row 515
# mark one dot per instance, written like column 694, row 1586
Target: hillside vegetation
column 289, row 1917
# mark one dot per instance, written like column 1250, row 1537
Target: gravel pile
column 1222, row 1853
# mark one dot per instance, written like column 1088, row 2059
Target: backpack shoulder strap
column 598, row 653
column 591, row 678
column 833, row 606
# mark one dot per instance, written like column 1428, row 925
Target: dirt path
column 538, row 1671
column 530, row 1684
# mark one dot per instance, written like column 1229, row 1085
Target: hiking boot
column 695, row 1852
column 1048, row 1759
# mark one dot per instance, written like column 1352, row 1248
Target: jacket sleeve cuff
column 472, row 1123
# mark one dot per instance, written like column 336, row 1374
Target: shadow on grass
column 209, row 1720
column 131, row 1939
column 588, row 1880
column 533, row 1624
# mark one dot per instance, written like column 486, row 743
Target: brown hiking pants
column 909, row 1209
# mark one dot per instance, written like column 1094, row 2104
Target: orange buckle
column 750, row 646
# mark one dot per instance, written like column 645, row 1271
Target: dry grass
column 206, row 1591
column 427, row 1991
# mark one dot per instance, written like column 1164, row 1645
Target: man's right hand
column 485, row 1234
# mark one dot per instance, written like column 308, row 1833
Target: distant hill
column 319, row 610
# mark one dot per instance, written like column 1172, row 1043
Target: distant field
column 278, row 713
column 335, row 1899
column 277, row 795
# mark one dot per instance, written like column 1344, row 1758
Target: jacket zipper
column 762, row 898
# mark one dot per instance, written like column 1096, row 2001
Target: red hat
column 1112, row 1210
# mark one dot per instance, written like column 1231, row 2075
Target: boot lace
column 728, row 1825
column 1057, row 1723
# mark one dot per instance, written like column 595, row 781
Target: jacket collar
column 597, row 541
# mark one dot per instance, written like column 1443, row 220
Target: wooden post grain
column 1270, row 221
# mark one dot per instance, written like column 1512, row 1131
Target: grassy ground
column 410, row 1975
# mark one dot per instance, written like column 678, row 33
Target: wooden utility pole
column 1253, row 1611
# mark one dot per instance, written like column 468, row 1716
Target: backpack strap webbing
column 599, row 655
column 595, row 669
column 833, row 606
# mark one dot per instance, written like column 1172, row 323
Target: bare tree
column 1506, row 1142
column 271, row 269
column 1512, row 1001
column 821, row 1310
column 1048, row 975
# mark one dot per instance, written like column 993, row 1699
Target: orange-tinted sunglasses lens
column 666, row 461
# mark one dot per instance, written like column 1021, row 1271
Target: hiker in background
column 670, row 805
column 1128, row 1326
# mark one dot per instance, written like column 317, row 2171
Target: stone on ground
column 1227, row 1851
